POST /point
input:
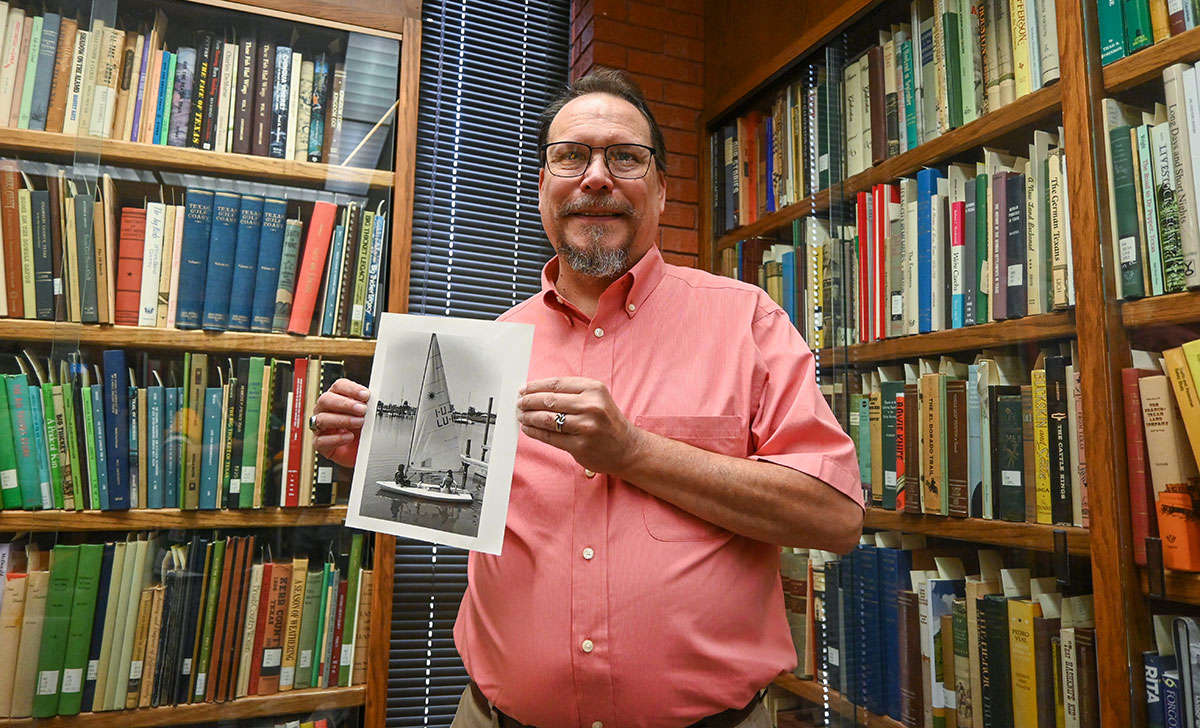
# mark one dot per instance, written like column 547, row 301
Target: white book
column 104, row 96
column 91, row 63
column 143, row 569
column 1183, row 162
column 224, row 103
column 25, row 227
column 252, row 607
column 939, row 249
column 1067, row 233
column 1029, row 8
column 853, row 88
column 11, row 53
column 1037, row 233
column 1191, row 86
column 903, row 39
column 294, row 104
column 1059, row 243
column 152, row 253
column 942, row 109
column 126, row 131
column 119, row 640
column 176, row 254
column 912, row 308
column 1073, row 444
column 1047, row 39
column 1149, row 199
column 113, row 53
column 968, row 38
column 304, row 117
column 889, row 82
column 78, row 72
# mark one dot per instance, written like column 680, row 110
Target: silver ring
column 312, row 423
column 560, row 419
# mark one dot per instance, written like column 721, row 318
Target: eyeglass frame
column 592, row 151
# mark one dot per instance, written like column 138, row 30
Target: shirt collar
column 635, row 286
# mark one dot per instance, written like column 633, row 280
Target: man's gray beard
column 595, row 259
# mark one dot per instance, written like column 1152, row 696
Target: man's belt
column 724, row 719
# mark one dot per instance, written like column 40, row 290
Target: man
column 674, row 438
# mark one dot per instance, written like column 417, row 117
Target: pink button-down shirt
column 607, row 603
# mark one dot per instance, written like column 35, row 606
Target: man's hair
column 604, row 81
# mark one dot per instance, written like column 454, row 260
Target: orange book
column 60, row 85
column 276, row 619
column 312, row 267
column 10, row 225
column 234, row 621
column 260, row 629
column 129, row 265
column 1173, row 474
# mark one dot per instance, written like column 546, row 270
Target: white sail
column 435, row 445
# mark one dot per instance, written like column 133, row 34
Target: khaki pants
column 470, row 716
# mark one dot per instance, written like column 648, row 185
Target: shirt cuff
column 824, row 469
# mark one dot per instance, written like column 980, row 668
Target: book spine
column 308, row 281
column 245, row 261
column 281, row 94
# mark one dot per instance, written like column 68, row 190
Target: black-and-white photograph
column 438, row 442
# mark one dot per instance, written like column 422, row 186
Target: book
column 312, row 267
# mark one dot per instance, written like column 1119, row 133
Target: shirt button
column 589, row 474
column 597, row 724
column 631, row 308
column 588, row 553
column 587, row 646
column 598, row 332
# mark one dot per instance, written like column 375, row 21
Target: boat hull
column 432, row 493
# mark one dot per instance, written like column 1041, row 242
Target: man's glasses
column 624, row 161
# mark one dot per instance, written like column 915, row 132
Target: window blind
column 488, row 67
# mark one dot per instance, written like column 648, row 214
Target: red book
column 272, row 642
column 338, row 624
column 129, row 266
column 886, row 196
column 312, row 267
column 1141, row 495
column 296, row 428
column 260, row 629
column 10, row 223
column 901, row 483
column 863, row 219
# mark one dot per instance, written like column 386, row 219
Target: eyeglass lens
column 570, row 159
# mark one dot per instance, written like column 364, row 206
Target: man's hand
column 338, row 421
column 593, row 429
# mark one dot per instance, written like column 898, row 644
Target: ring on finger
column 312, row 424
column 560, row 419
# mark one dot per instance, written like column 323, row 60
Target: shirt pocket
column 724, row 434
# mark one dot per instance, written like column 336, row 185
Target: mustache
column 595, row 203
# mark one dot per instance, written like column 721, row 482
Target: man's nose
column 596, row 174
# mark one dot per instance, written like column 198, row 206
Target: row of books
column 1162, row 440
column 968, row 245
column 1169, row 670
column 154, row 621
column 220, row 261
column 901, row 629
column 202, row 433
column 1128, row 26
column 968, row 57
column 1153, row 177
column 991, row 439
column 230, row 94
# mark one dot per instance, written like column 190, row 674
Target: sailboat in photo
column 433, row 456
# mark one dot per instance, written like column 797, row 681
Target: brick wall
column 661, row 44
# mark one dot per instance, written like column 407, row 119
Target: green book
column 64, row 414
column 1111, row 16
column 309, row 617
column 10, row 489
column 319, row 640
column 1125, row 208
column 254, row 401
column 1138, row 31
column 346, row 663
column 213, row 594
column 64, row 561
column 50, row 416
column 89, row 436
column 910, row 93
column 981, row 248
column 954, row 63
column 170, row 94
column 35, row 50
column 888, row 393
column 21, row 417
column 864, row 439
column 360, row 273
column 79, row 634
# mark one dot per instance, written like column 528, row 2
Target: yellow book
column 1041, row 446
column 933, row 440
column 362, row 626
column 150, row 661
column 25, row 667
column 110, row 618
column 1022, row 663
column 25, row 217
column 1184, row 387
column 875, row 422
column 72, row 251
column 291, row 630
column 137, row 658
column 948, row 673
column 1020, row 45
column 12, row 611
column 165, row 268
column 975, row 590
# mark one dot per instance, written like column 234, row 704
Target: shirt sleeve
column 793, row 425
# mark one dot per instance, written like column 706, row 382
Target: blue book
column 155, row 396
column 20, row 412
column 135, row 450
column 162, row 103
column 47, row 51
column 1154, row 666
column 729, row 178
column 171, row 440
column 222, row 242
column 210, row 458
column 98, row 631
column 270, row 249
column 245, row 262
column 40, row 449
column 974, row 445
column 789, row 284
column 894, row 568
column 43, row 271
column 280, row 98
column 1172, row 700
column 926, row 187
column 98, row 428
column 193, row 259
column 116, row 427
column 332, row 280
column 870, row 648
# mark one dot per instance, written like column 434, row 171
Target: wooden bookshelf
column 179, row 340
column 1041, row 327
column 813, row 692
column 1148, row 63
column 66, row 147
column 1181, row 586
column 255, row 706
column 1173, row 308
column 1019, row 114
column 1033, row 536
column 150, row 519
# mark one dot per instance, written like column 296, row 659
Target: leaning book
column 439, row 437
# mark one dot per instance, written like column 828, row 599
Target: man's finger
column 328, row 421
column 550, row 402
column 564, row 385
column 339, row 404
column 351, row 389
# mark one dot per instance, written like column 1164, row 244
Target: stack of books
column 175, row 619
column 1128, row 26
column 200, row 433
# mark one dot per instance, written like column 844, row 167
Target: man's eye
column 623, row 157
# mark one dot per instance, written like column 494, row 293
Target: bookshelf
column 392, row 182
column 814, row 692
column 1099, row 324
